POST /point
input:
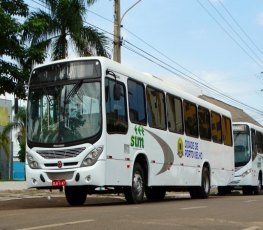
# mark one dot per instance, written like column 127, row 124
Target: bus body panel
column 92, row 176
column 248, row 174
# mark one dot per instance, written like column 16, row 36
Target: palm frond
column 60, row 48
column 4, row 144
column 90, row 41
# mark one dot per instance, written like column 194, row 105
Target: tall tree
column 16, row 58
column 64, row 24
column 19, row 124
column 11, row 76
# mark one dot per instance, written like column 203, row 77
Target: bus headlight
column 33, row 164
column 246, row 172
column 92, row 157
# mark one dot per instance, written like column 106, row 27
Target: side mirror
column 117, row 91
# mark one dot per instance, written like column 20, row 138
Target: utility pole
column 117, row 32
column 117, row 29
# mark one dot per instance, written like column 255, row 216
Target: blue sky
column 186, row 35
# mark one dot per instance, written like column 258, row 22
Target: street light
column 117, row 29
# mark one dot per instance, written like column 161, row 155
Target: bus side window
column 190, row 119
column 174, row 114
column 254, row 144
column 137, row 107
column 204, row 123
column 156, row 108
column 259, row 142
column 227, row 131
column 216, row 127
column 116, row 110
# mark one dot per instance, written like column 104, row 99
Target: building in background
column 237, row 114
column 6, row 162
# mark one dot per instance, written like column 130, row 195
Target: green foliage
column 64, row 25
column 25, row 44
column 19, row 124
column 5, row 143
column 16, row 59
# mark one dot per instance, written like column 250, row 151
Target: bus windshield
column 242, row 148
column 65, row 111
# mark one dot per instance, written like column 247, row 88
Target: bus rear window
column 227, row 131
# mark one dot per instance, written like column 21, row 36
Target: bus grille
column 60, row 154
column 60, row 176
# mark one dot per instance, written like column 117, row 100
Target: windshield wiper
column 73, row 91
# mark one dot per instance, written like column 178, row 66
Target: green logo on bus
column 137, row 140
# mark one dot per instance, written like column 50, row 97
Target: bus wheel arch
column 258, row 188
column 203, row 190
column 134, row 194
column 206, row 181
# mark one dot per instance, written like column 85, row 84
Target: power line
column 234, row 31
column 239, row 26
column 39, row 3
column 100, row 16
column 235, row 41
column 182, row 75
column 175, row 71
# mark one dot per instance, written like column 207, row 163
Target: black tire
column 75, row 195
column 247, row 190
column 135, row 193
column 194, row 192
column 223, row 190
column 204, row 190
column 155, row 193
column 257, row 189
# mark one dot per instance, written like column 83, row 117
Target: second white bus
column 97, row 126
column 248, row 142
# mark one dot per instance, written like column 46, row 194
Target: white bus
column 248, row 142
column 96, row 126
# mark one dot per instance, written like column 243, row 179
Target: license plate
column 58, row 183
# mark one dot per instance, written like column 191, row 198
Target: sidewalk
column 10, row 190
column 12, row 185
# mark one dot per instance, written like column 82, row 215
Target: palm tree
column 19, row 124
column 62, row 25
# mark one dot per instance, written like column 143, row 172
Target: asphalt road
column 111, row 212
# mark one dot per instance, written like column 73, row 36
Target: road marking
column 13, row 214
column 56, row 225
column 252, row 228
column 248, row 201
column 196, row 207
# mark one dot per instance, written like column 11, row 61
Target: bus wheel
column 155, row 193
column 135, row 193
column 75, row 195
column 204, row 190
column 258, row 188
column 247, row 190
column 223, row 190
